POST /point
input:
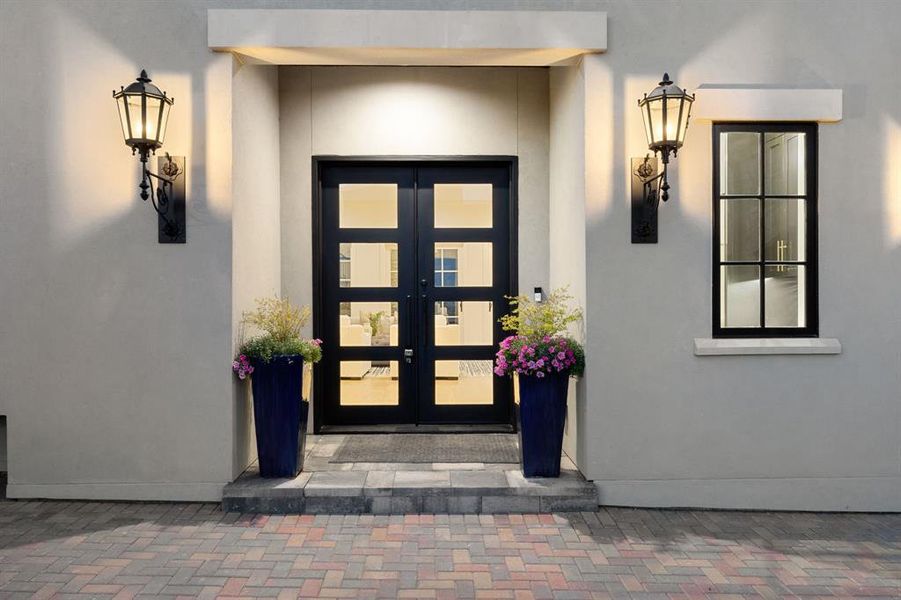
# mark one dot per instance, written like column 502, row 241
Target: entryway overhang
column 263, row 41
column 407, row 37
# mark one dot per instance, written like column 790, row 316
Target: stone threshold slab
column 403, row 492
column 405, row 488
column 400, row 505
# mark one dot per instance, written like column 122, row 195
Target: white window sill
column 750, row 346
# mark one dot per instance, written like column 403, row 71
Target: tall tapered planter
column 280, row 415
column 542, row 415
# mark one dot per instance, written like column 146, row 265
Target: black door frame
column 319, row 163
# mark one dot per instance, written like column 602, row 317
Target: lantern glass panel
column 164, row 122
column 672, row 119
column 123, row 120
column 647, row 124
column 683, row 124
column 655, row 110
column 153, row 117
column 135, row 115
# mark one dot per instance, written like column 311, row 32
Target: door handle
column 409, row 319
column 425, row 321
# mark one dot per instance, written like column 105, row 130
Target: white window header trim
column 767, row 104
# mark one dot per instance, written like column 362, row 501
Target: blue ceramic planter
column 280, row 415
column 542, row 414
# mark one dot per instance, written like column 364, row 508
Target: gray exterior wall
column 114, row 350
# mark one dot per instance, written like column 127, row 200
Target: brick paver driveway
column 124, row 550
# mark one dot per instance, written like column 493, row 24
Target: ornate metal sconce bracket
column 167, row 197
column 648, row 188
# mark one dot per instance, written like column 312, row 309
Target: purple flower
column 539, row 374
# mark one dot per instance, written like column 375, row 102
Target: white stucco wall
column 667, row 428
column 566, row 222
column 412, row 111
column 114, row 350
column 256, row 225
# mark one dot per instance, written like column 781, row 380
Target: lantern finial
column 143, row 77
column 666, row 80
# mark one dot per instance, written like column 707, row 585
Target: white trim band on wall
column 742, row 346
column 402, row 37
column 767, row 104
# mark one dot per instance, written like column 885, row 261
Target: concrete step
column 327, row 487
column 382, row 489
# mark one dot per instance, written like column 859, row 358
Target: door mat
column 429, row 448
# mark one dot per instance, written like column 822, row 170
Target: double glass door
column 414, row 262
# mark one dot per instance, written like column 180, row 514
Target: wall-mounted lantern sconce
column 665, row 112
column 143, row 114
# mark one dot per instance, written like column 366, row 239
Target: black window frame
column 811, row 262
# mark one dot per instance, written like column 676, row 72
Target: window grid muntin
column 442, row 273
column 344, row 265
column 810, row 307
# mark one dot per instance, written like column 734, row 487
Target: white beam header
column 767, row 104
column 407, row 36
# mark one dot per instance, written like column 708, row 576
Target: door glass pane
column 463, row 205
column 740, row 229
column 786, row 229
column 369, row 383
column 367, row 205
column 740, row 163
column 367, row 265
column 368, row 323
column 785, row 295
column 785, row 164
column 469, row 323
column 464, row 382
column 739, row 296
column 463, row 264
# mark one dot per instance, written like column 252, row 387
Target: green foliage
column 535, row 320
column 375, row 320
column 542, row 342
column 264, row 347
column 281, row 323
column 280, row 319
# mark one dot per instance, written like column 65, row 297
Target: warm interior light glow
column 143, row 112
column 892, row 195
column 665, row 113
column 135, row 116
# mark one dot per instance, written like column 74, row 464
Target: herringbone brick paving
column 125, row 550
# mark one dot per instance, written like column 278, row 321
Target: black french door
column 413, row 263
